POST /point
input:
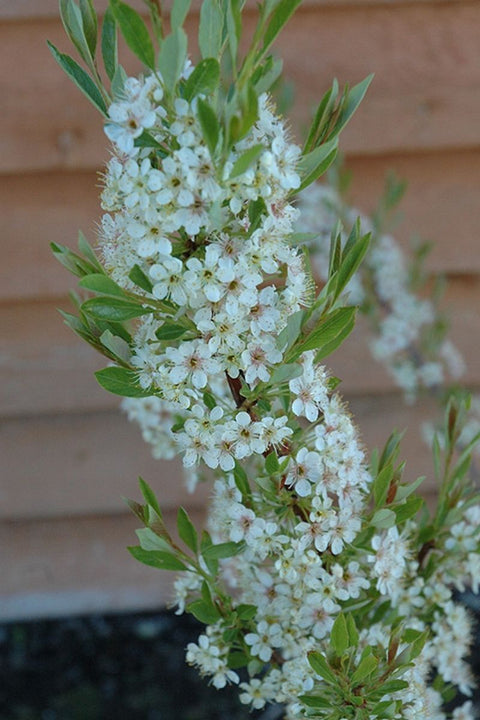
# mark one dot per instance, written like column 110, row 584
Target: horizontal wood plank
column 441, row 205
column 84, row 464
column 421, row 99
column 31, row 9
column 78, row 565
column 81, row 464
column 46, row 369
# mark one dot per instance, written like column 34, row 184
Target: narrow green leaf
column 339, row 637
column 288, row 336
column 233, row 15
column 285, row 373
column 408, row 509
column 245, row 611
column 381, row 484
column 316, row 162
column 210, row 31
column 209, row 124
column 366, row 667
column 237, row 660
column 203, row 80
column 246, row 160
column 157, row 559
column 172, row 58
column 88, row 252
column 170, row 331
column 353, row 100
column 352, row 631
column 269, row 73
column 319, row 665
column 135, row 32
column 80, row 78
column 109, row 44
column 149, row 540
column 282, row 13
column 351, row 261
column 137, row 276
column 101, row 284
column 271, row 463
column 186, row 530
column 241, row 480
column 203, row 612
column 321, row 117
column 73, row 24
column 327, row 331
column 121, row 381
column 403, row 491
column 149, row 496
column 223, row 550
column 90, row 24
column 179, row 12
column 383, row 519
column 113, row 309
column 118, row 82
column 328, row 347
column 116, row 345
column 316, row 701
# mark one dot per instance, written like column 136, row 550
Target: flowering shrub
column 324, row 583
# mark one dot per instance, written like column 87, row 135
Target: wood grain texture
column 32, row 9
column 425, row 58
column 46, row 369
column 78, row 465
column 78, row 565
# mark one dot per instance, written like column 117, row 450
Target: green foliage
column 81, row 79
column 134, row 31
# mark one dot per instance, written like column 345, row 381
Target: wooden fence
column 67, row 454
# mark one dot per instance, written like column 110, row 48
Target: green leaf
column 186, row 530
column 90, row 24
column 73, row 24
column 353, row 100
column 135, row 32
column 237, row 660
column 271, row 463
column 366, row 667
column 288, row 336
column 149, row 496
column 116, row 345
column 113, row 309
column 282, row 13
column 74, row 263
column 121, row 381
column 267, row 74
column 381, row 484
column 137, row 276
column 179, row 12
column 157, row 559
column 328, row 348
column 210, row 31
column 118, row 82
column 408, row 509
column 204, row 612
column 285, row 373
column 80, row 78
column 101, row 284
column 256, row 210
column 233, row 16
column 316, row 701
column 327, row 331
column 245, row 611
column 321, row 118
column 339, row 637
column 170, row 331
column 203, row 80
column 351, row 260
column 316, row 162
column 352, row 631
column 209, row 124
column 88, row 252
column 319, row 665
column 149, row 540
column 383, row 519
column 403, row 491
column 241, row 480
column 109, row 44
column 246, row 160
column 172, row 58
column 223, row 550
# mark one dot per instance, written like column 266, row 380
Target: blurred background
column 67, row 454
